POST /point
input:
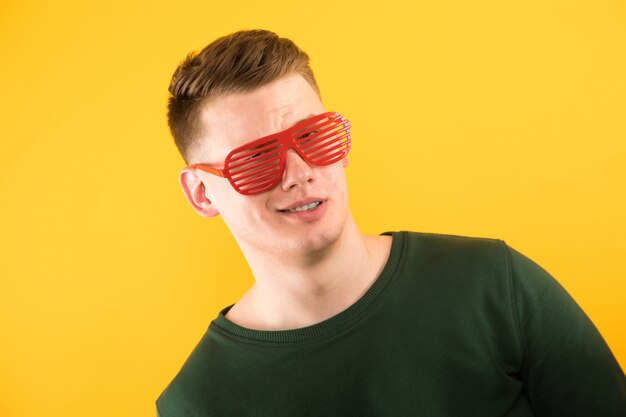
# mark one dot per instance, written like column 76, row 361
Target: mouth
column 305, row 207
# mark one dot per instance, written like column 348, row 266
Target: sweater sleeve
column 568, row 369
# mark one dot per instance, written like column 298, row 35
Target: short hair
column 235, row 63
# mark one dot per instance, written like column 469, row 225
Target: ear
column 344, row 161
column 195, row 191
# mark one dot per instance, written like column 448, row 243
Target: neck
column 304, row 289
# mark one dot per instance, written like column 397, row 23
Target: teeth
column 303, row 208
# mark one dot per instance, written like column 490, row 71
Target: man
column 341, row 324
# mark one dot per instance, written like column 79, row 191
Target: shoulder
column 190, row 389
column 450, row 240
column 476, row 261
column 454, row 268
column 469, row 273
column 454, row 251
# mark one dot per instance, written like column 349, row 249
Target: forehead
column 234, row 119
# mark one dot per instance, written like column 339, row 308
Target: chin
column 293, row 240
column 311, row 242
column 305, row 243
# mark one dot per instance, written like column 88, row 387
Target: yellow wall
column 484, row 118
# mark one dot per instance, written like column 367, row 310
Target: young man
column 341, row 324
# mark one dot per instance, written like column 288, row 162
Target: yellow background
column 483, row 118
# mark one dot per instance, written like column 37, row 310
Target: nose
column 297, row 171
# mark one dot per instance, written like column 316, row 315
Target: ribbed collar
column 320, row 330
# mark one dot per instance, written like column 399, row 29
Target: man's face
column 267, row 222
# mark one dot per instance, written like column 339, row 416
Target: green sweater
column 453, row 326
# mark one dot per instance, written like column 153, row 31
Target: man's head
column 236, row 63
column 307, row 209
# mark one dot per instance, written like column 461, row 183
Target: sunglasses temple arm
column 209, row 169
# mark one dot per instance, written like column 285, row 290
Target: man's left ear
column 344, row 161
column 196, row 193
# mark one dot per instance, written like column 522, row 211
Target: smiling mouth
column 306, row 207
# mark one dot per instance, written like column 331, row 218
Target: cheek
column 336, row 175
column 223, row 196
column 240, row 210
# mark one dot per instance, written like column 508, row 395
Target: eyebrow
column 303, row 120
column 298, row 122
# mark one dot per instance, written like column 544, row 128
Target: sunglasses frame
column 286, row 139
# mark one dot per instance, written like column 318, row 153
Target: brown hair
column 236, row 63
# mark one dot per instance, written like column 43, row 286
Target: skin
column 307, row 267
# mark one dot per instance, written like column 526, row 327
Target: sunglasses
column 258, row 166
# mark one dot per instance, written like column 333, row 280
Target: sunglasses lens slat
column 258, row 185
column 317, row 123
column 256, row 175
column 251, row 152
column 319, row 149
column 323, row 138
column 253, row 166
column 315, row 130
column 321, row 156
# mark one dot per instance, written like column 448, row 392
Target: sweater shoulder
column 481, row 250
column 451, row 264
column 192, row 383
column 472, row 269
column 452, row 238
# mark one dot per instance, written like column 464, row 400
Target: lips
column 302, row 205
